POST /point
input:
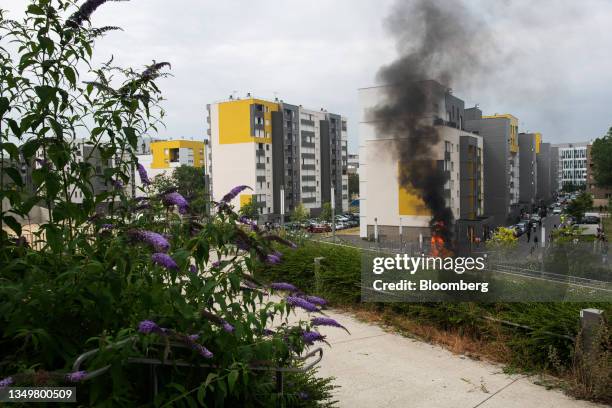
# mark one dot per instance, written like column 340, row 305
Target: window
column 267, row 147
column 260, row 146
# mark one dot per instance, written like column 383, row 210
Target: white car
column 556, row 210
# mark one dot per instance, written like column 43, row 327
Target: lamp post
column 282, row 207
column 375, row 229
column 333, row 213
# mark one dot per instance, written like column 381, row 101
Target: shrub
column 160, row 286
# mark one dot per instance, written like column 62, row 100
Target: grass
column 459, row 327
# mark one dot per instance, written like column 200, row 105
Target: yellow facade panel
column 411, row 204
column 245, row 199
column 235, row 121
column 161, row 152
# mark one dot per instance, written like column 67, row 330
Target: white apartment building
column 572, row 164
column 384, row 204
column 286, row 153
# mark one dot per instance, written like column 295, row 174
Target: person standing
column 528, row 234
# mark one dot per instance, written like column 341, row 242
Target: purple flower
column 148, row 326
column 76, row 376
column 274, row 258
column 249, row 222
column 316, row 300
column 302, row 303
column 283, row 286
column 268, row 332
column 233, row 193
column 327, row 321
column 84, row 12
column 107, row 226
column 228, row 328
column 164, row 260
column 191, row 342
column 175, row 198
column 117, row 184
column 6, row 382
column 281, row 240
column 203, row 351
column 193, row 269
column 157, row 241
column 144, row 177
column 216, row 264
column 310, row 337
column 303, row 395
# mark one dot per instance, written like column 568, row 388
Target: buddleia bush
column 166, row 297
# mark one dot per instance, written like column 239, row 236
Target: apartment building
column 529, row 149
column 386, row 207
column 352, row 164
column 572, row 164
column 501, row 163
column 286, row 153
column 545, row 191
column 161, row 157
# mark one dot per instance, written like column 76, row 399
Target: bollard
column 591, row 322
column 317, row 274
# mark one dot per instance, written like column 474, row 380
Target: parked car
column 590, row 219
column 523, row 226
column 556, row 210
column 318, row 228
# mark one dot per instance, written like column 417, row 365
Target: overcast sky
column 553, row 68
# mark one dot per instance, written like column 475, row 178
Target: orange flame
column 438, row 247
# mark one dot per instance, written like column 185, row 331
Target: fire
column 438, row 246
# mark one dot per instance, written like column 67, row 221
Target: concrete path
column 378, row 369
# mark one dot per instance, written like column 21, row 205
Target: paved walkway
column 378, row 369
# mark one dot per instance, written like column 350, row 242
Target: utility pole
column 282, row 207
column 400, row 232
column 333, row 213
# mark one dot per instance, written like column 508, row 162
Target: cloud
column 555, row 62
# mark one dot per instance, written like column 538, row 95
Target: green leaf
column 34, row 9
column 13, row 173
column 14, row 127
column 11, row 149
column 12, row 223
column 231, row 379
column 70, row 75
column 30, row 147
column 130, row 133
column 57, row 128
column 209, row 379
column 4, row 105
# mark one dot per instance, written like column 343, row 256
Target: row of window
column 573, row 153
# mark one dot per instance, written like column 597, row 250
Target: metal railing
column 155, row 362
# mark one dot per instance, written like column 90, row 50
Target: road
column 376, row 368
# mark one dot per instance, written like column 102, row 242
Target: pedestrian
column 535, row 242
column 529, row 235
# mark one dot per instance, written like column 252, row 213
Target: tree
column 326, row 212
column 582, row 203
column 299, row 214
column 601, row 158
column 503, row 238
column 353, row 184
column 250, row 210
column 191, row 183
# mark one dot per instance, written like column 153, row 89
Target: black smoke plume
column 439, row 40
